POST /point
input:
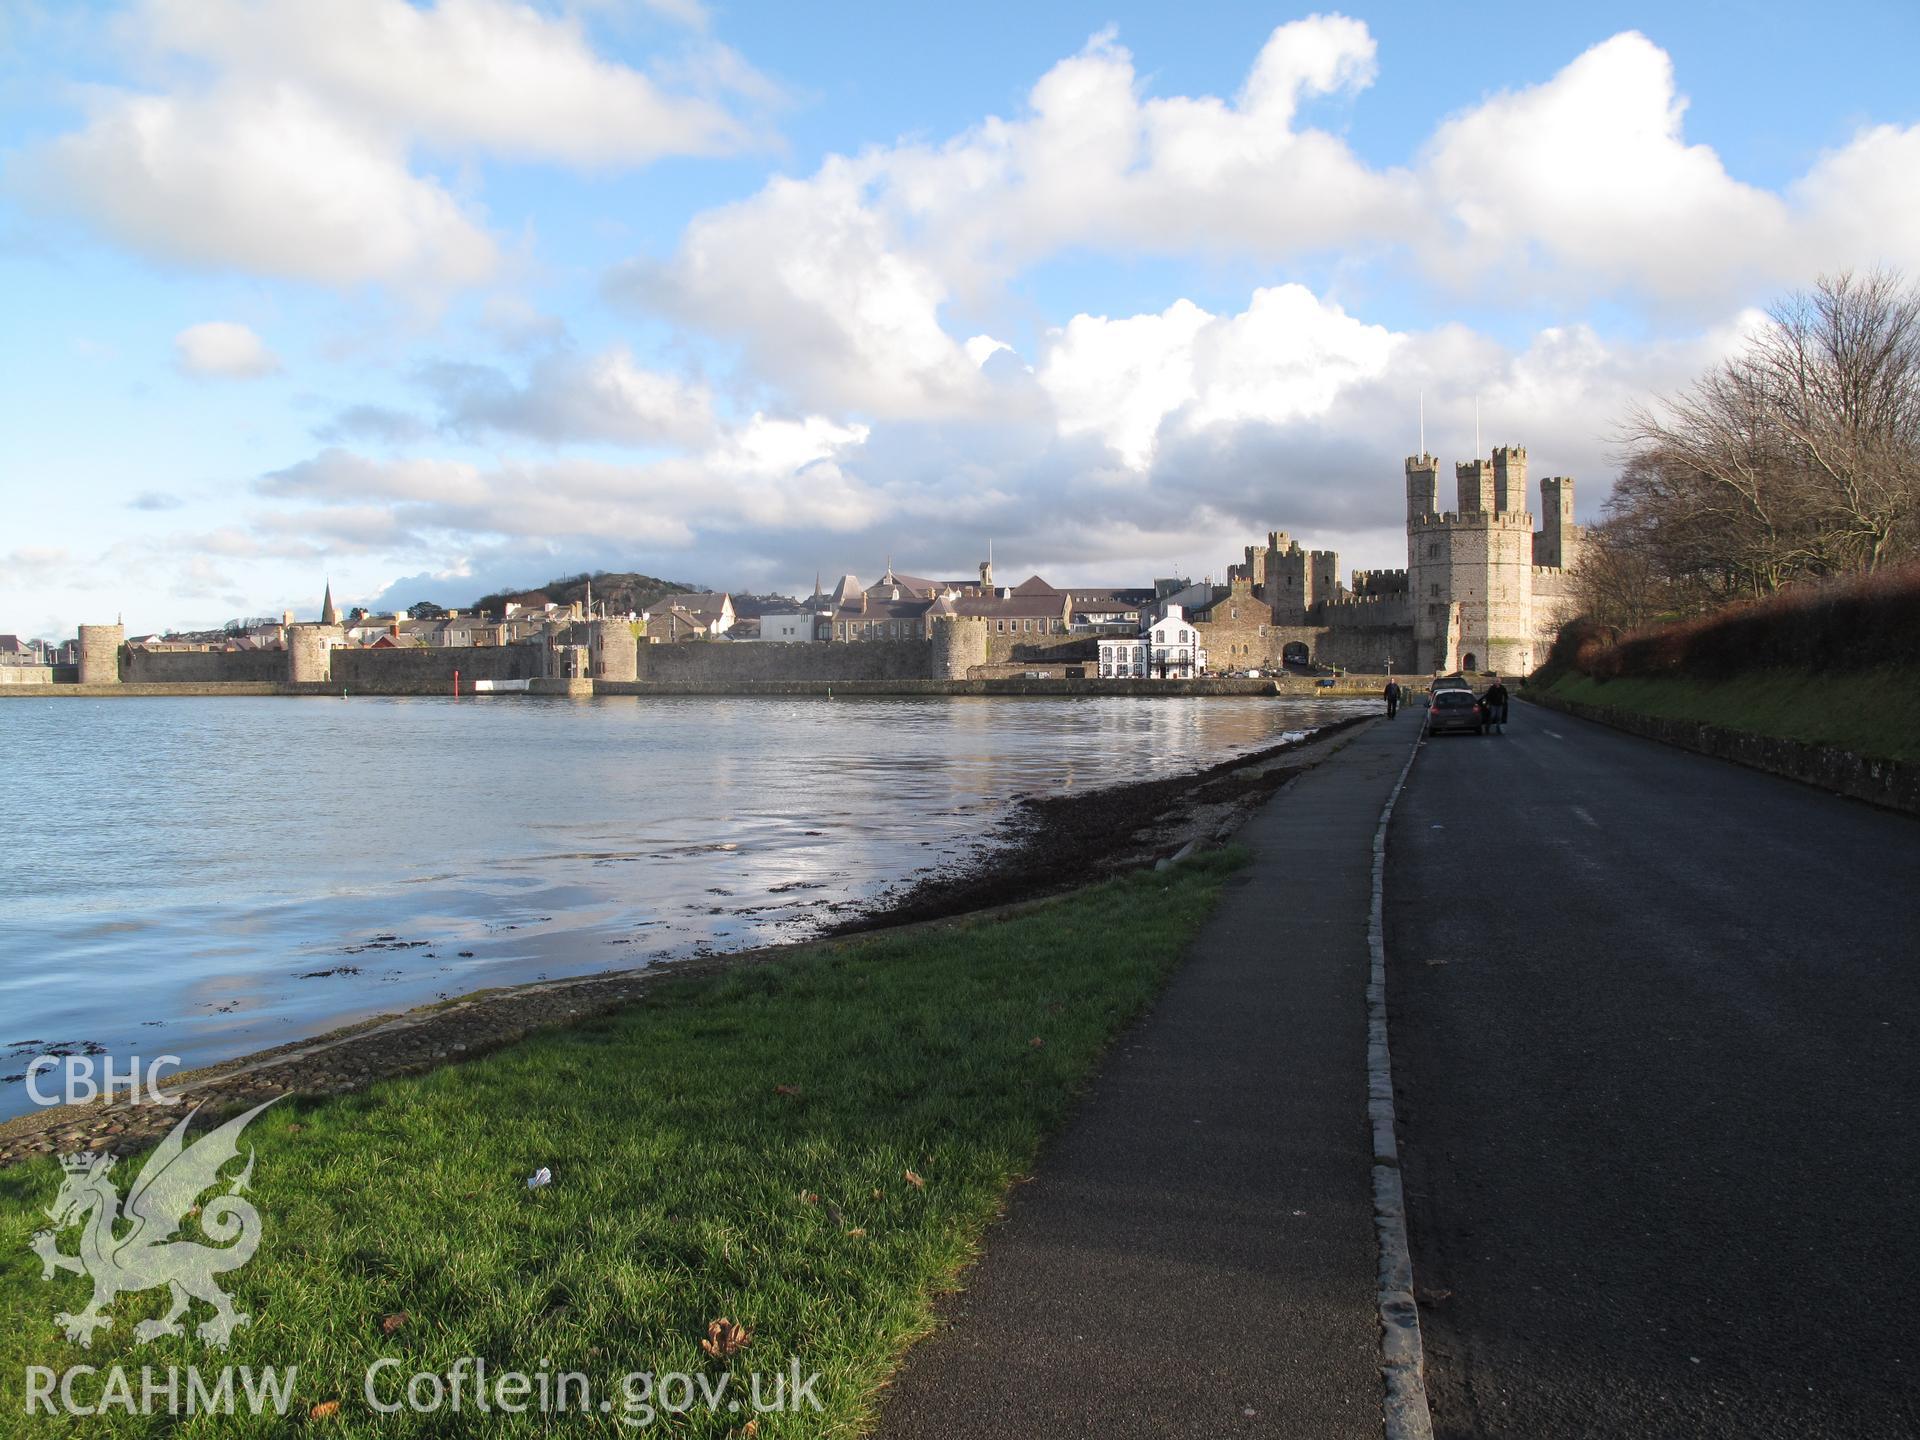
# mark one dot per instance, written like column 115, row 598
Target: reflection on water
column 203, row 877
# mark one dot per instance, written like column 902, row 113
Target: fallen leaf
column 786, row 1089
column 807, row 1197
column 876, row 1192
column 915, row 1181
column 325, row 1410
column 1036, row 1042
column 393, row 1322
column 725, row 1338
column 857, row 1230
column 751, row 1428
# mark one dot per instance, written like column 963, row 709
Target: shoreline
column 1054, row 844
column 1352, row 687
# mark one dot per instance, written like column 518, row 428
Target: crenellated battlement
column 1379, row 582
column 1473, row 520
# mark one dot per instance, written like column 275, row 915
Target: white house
column 796, row 626
column 1168, row 649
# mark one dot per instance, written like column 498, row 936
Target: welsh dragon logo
column 136, row 1247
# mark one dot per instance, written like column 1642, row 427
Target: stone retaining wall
column 1886, row 783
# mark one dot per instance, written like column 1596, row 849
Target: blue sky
column 430, row 299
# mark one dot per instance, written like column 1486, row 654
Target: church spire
column 329, row 615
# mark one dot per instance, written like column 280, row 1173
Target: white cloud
column 287, row 145
column 569, row 397
column 1581, row 187
column 1590, row 173
column 223, row 348
column 811, row 281
column 489, row 74
column 270, row 182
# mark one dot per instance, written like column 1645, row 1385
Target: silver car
column 1450, row 709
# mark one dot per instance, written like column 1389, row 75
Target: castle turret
column 1556, row 542
column 1423, row 487
column 1475, row 481
column 1509, row 479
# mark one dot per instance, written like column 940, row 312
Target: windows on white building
column 1169, row 649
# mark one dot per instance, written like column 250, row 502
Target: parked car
column 1451, row 709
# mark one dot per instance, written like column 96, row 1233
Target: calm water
column 204, row 877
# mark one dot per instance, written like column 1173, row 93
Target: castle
column 1483, row 590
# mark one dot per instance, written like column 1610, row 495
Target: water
column 204, row 877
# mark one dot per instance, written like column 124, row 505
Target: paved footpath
column 1654, row 1037
column 1195, row 1255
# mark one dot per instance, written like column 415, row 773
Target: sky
column 427, row 300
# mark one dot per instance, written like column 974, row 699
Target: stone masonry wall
column 722, row 662
column 430, row 671
column 1043, row 649
column 187, row 667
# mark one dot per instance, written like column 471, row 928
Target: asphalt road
column 1654, row 1026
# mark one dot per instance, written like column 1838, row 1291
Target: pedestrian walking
column 1392, row 693
column 1496, row 702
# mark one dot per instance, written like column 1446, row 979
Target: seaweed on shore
column 1057, row 842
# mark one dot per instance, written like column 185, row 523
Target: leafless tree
column 1797, row 458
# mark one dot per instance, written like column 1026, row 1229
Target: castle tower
column 100, row 653
column 329, row 615
column 310, row 652
column 1555, row 545
column 1475, row 481
column 612, row 651
column 959, row 644
column 1509, row 479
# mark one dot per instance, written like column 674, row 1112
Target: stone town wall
column 721, row 662
column 1367, row 648
column 26, row 674
column 194, row 667
column 978, row 685
column 1041, row 649
column 430, row 671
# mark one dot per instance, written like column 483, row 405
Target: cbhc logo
column 81, row 1083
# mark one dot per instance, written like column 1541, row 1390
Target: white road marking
column 1581, row 811
column 1554, row 733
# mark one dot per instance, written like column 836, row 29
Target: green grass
column 686, row 1186
column 1870, row 712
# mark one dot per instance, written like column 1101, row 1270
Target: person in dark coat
column 1392, row 694
column 1496, row 702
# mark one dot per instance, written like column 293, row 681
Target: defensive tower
column 100, row 653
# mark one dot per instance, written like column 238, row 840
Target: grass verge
column 734, row 1146
column 1868, row 712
